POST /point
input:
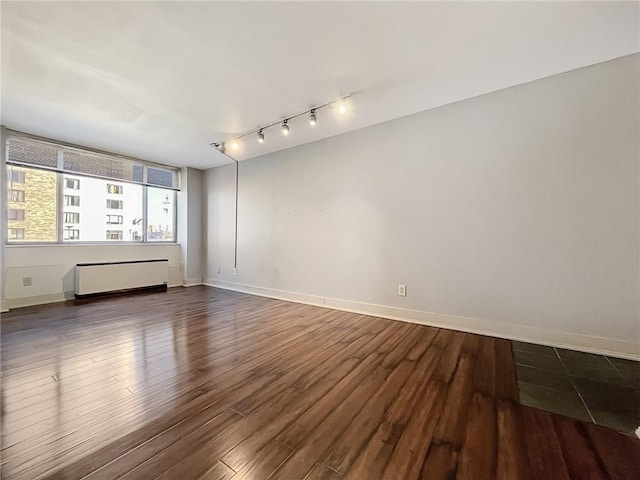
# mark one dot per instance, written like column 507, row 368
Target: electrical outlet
column 235, row 271
column 26, row 281
column 402, row 290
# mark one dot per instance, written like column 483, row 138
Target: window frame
column 120, row 232
column 115, row 187
column 71, row 203
column 12, row 179
column 60, row 204
column 68, row 231
column 18, row 191
column 17, row 229
column 75, row 183
column 120, row 203
column 120, row 217
column 9, row 209
column 76, row 215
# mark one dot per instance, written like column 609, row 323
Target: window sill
column 89, row 244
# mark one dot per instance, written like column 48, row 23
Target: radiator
column 107, row 277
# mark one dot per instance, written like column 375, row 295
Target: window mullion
column 60, row 198
column 145, row 189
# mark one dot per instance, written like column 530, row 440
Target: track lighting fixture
column 284, row 124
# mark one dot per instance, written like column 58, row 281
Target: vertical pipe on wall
column 235, row 228
column 235, row 239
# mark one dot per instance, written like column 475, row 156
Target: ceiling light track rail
column 221, row 146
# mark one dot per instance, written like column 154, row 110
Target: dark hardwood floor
column 210, row 384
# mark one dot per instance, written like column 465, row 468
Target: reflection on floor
column 593, row 388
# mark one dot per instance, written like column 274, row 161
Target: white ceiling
column 161, row 81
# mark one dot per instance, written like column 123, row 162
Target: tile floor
column 594, row 388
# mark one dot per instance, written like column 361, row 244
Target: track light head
column 285, row 128
column 313, row 118
column 235, row 145
column 260, row 136
column 221, row 147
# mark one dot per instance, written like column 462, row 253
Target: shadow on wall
column 69, row 282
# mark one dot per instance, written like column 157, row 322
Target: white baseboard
column 3, row 306
column 553, row 338
column 192, row 282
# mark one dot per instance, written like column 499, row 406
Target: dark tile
column 630, row 369
column 545, row 378
column 597, row 368
column 562, row 403
column 613, row 421
column 546, row 362
column 614, row 406
column 579, row 356
column 534, row 348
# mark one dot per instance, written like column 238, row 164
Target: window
column 16, row 195
column 16, row 214
column 71, row 217
column 114, row 234
column 37, row 210
column 71, row 234
column 111, row 202
column 16, row 176
column 116, row 189
column 160, row 214
column 72, row 183
column 72, row 200
column 16, row 234
column 114, row 204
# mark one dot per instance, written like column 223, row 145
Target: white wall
column 190, row 229
column 52, row 268
column 3, row 216
column 515, row 213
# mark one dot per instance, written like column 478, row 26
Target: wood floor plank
column 441, row 462
column 581, row 460
column 295, row 433
column 346, row 447
column 452, row 423
column 506, row 382
column 322, row 472
column 485, row 375
column 264, row 462
column 512, row 448
column 543, row 446
column 373, row 457
column 219, row 471
column 478, row 454
column 243, row 452
column 198, row 391
column 202, row 383
column 409, row 453
column 318, row 440
column 450, row 358
column 619, row 454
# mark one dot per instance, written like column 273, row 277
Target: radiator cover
column 93, row 279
